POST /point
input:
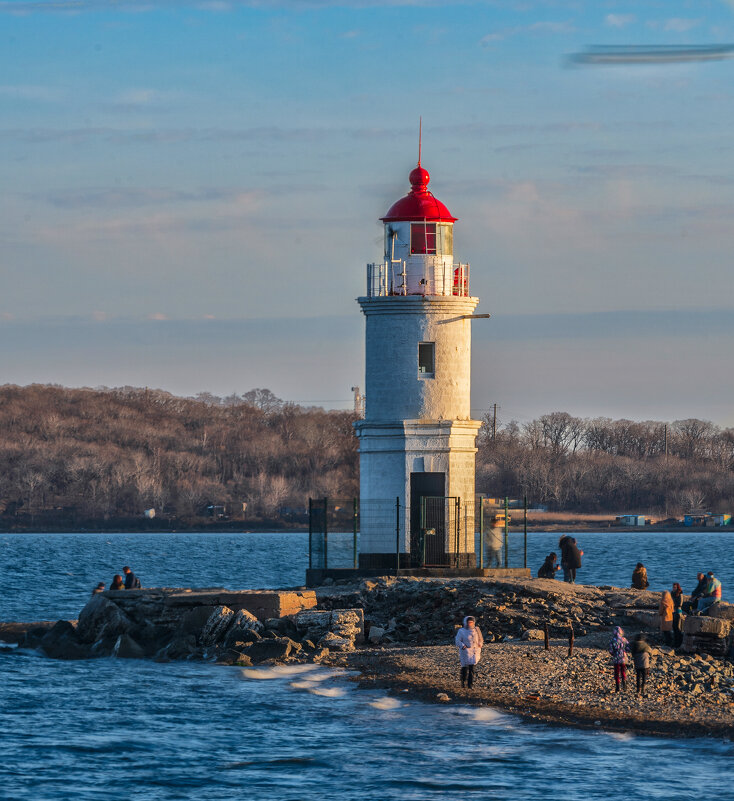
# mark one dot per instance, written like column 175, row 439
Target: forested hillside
column 71, row 455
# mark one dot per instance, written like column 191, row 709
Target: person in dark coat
column 563, row 544
column 132, row 582
column 677, row 595
column 639, row 577
column 573, row 559
column 692, row 605
column 549, row 567
column 117, row 582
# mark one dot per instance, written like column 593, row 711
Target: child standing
column 641, row 653
column 469, row 641
column 618, row 647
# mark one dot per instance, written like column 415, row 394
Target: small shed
column 631, row 520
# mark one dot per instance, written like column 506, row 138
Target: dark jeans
column 677, row 630
column 467, row 675
column 642, row 674
column 668, row 637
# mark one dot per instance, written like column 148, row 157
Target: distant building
column 631, row 520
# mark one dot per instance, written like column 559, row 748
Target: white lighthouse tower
column 417, row 438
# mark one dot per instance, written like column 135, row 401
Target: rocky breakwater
column 243, row 628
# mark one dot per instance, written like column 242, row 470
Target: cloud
column 680, row 25
column 536, row 28
column 619, row 20
column 45, row 94
column 116, row 197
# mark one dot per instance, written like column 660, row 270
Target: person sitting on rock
column 618, row 647
column 117, row 582
column 639, row 577
column 641, row 653
column 132, row 582
column 692, row 605
column 469, row 641
column 100, row 588
column 549, row 567
column 711, row 593
column 665, row 611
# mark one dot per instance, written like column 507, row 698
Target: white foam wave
column 385, row 703
column 328, row 692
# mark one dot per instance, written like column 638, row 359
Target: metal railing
column 437, row 278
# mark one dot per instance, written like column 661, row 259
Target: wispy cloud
column 116, row 197
column 543, row 27
column 44, row 94
column 619, row 20
column 674, row 24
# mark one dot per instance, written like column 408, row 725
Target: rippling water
column 49, row 576
column 101, row 729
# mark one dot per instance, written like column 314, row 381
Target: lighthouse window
column 426, row 358
column 423, row 238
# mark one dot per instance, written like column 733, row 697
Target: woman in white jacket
column 469, row 641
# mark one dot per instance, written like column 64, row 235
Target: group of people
column 130, row 582
column 672, row 606
column 641, row 652
column 570, row 560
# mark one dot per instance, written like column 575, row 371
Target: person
column 711, row 593
column 677, row 596
column 639, row 577
column 692, row 605
column 469, row 641
column 618, row 647
column 549, row 567
column 665, row 610
column 98, row 589
column 132, row 582
column 573, row 559
column 641, row 653
column 563, row 544
column 117, row 582
column 494, row 543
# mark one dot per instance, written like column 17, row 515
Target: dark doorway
column 424, row 485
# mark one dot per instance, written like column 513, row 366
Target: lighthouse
column 417, row 441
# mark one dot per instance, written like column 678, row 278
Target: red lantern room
column 419, row 247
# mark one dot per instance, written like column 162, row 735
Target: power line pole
column 494, row 422
column 665, row 441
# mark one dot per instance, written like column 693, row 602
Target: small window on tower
column 426, row 359
column 423, row 238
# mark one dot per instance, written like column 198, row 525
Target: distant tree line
column 569, row 463
column 112, row 453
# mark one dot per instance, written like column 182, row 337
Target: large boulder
column 61, row 642
column 246, row 620
column 216, row 626
column 194, row 620
column 237, row 636
column 695, row 624
column 101, row 618
column 127, row 648
column 277, row 649
column 181, row 647
column 722, row 611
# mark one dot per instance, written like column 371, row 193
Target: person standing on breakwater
column 677, row 596
column 665, row 610
column 117, row 582
column 618, row 647
column 494, row 542
column 570, row 558
column 132, row 582
column 469, row 641
column 641, row 653
column 639, row 577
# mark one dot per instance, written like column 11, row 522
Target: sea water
column 107, row 728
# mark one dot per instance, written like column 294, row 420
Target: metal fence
column 442, row 532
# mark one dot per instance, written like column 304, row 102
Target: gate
column 439, row 533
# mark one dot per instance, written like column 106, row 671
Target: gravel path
column 687, row 696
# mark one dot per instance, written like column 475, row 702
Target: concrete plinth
column 316, row 576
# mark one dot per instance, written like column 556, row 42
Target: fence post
column 397, row 535
column 354, row 544
column 481, row 533
column 507, row 506
column 310, row 532
column 422, row 530
column 525, row 526
column 326, row 534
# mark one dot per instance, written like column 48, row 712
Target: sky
column 190, row 192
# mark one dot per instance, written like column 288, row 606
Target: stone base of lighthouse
column 417, row 491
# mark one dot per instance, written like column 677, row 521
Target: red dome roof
column 419, row 204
